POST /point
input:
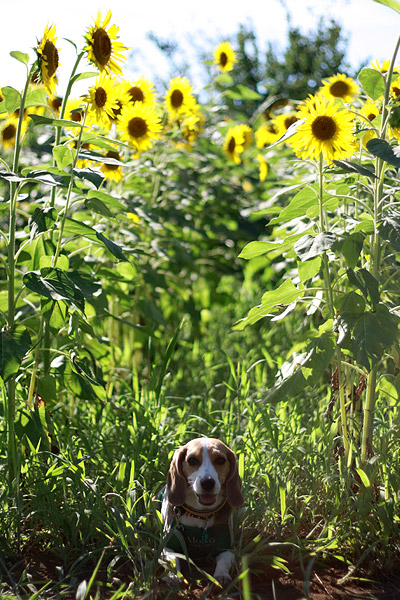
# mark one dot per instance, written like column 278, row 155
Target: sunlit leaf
column 374, row 332
column 311, row 246
column 20, row 56
column 55, row 284
column 14, row 344
column 391, row 4
column 12, row 99
column 42, row 219
column 382, row 149
column 372, row 82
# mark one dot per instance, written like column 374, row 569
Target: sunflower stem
column 380, row 165
column 330, row 301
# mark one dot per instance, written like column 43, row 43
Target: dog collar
column 201, row 514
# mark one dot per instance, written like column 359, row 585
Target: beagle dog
column 203, row 486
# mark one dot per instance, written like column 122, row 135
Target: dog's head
column 202, row 474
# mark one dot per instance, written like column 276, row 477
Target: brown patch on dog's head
column 176, row 481
column 233, row 483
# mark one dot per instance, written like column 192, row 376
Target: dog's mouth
column 207, row 499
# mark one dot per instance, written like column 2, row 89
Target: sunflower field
column 172, row 269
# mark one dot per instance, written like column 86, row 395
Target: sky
column 372, row 28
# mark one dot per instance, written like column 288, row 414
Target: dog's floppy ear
column 234, row 483
column 176, row 481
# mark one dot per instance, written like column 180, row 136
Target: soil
column 324, row 582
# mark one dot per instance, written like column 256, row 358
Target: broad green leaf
column 21, row 56
column 298, row 206
column 55, row 284
column 112, row 247
column 383, row 150
column 110, row 201
column 366, row 283
column 94, row 177
column 391, row 4
column 98, row 206
column 47, row 261
column 86, row 283
column 310, row 246
column 351, row 167
column 374, row 332
column 47, row 178
column 97, row 157
column 73, row 227
column 390, row 228
column 12, row 177
column 41, row 120
column 372, row 82
column 309, row 268
column 285, row 294
column 14, row 344
column 33, row 428
column 351, row 248
column 41, row 220
column 241, row 92
column 37, row 97
column 224, row 79
column 12, row 99
column 63, row 156
column 304, row 370
column 80, row 76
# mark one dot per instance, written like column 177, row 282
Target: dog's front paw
column 224, row 579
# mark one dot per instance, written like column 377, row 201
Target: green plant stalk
column 367, row 431
column 11, row 386
column 328, row 285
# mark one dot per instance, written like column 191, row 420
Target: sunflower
column 74, row 111
column 395, row 89
column 140, row 90
column 326, row 131
column 283, row 122
column 234, row 143
column 262, row 167
column 179, row 98
column 112, row 172
column 139, row 125
column 8, row 131
column 266, row 135
column 47, row 59
column 102, row 48
column 103, row 101
column 247, row 135
column 340, row 86
column 55, row 103
column 224, row 56
column 384, row 68
column 394, row 122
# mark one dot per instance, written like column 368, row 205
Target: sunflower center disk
column 339, row 89
column 9, row 132
column 136, row 94
column 50, row 54
column 324, row 128
column 100, row 97
column 289, row 121
column 223, row 59
column 112, row 154
column 176, row 98
column 232, row 145
column 137, row 127
column 102, row 47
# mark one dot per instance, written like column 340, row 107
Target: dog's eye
column 220, row 460
column 192, row 461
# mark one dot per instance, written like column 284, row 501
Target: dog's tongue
column 207, row 498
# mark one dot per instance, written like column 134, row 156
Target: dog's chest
column 203, row 538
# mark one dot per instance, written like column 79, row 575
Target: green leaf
column 112, row 246
column 94, row 177
column 309, row 268
column 12, row 99
column 73, row 227
column 63, row 156
column 285, row 294
column 41, row 120
column 351, row 248
column 110, row 201
column 298, row 206
column 351, row 167
column 390, row 228
column 382, row 149
column 310, row 246
column 55, row 284
column 14, row 344
column 98, row 206
column 304, row 370
column 86, row 75
column 372, row 81
column 21, row 56
column 41, row 220
column 391, row 4
column 241, row 92
column 97, row 157
column 366, row 283
column 374, row 332
column 48, row 178
column 224, row 79
column 12, row 177
column 37, row 97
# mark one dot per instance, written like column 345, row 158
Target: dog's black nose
column 207, row 484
